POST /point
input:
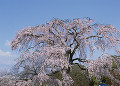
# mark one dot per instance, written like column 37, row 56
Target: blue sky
column 17, row 14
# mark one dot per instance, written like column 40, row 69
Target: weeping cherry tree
column 59, row 44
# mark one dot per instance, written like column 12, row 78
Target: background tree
column 60, row 43
column 4, row 72
column 10, row 80
column 106, row 68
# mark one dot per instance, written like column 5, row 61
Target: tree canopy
column 58, row 44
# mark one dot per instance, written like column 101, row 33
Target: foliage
column 57, row 42
column 79, row 76
column 93, row 82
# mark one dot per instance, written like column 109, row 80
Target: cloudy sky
column 17, row 14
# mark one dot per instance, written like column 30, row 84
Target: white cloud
column 2, row 53
column 7, row 43
column 7, row 59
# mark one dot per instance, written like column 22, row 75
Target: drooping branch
column 57, row 36
column 74, row 50
column 33, row 46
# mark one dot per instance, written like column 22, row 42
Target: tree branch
column 93, row 36
column 80, row 60
column 75, row 47
column 73, row 52
column 58, row 37
column 33, row 35
column 80, row 66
